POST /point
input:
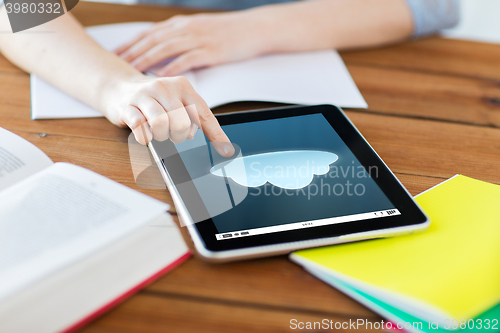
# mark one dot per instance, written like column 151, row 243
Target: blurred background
column 479, row 20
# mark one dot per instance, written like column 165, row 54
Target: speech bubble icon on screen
column 286, row 169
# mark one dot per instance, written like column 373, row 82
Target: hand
column 196, row 41
column 163, row 108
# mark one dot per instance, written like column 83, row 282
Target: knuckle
column 191, row 57
column 159, row 122
column 144, row 59
column 218, row 137
column 180, row 125
column 182, row 82
column 158, row 85
column 155, row 38
column 134, row 98
column 205, row 114
column 135, row 121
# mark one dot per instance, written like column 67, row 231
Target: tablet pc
column 301, row 176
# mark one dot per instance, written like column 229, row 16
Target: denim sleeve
column 430, row 16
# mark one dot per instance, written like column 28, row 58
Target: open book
column 300, row 78
column 432, row 281
column 72, row 242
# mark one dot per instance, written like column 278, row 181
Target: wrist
column 114, row 92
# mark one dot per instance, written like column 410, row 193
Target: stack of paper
column 447, row 275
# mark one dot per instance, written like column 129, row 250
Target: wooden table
column 434, row 112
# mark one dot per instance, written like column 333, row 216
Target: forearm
column 62, row 53
column 333, row 24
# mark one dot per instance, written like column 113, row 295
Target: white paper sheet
column 300, row 78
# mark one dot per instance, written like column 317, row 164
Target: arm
column 336, row 24
column 64, row 55
column 210, row 39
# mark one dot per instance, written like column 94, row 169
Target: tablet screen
column 291, row 173
column 313, row 179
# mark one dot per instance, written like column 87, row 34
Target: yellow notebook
column 451, row 271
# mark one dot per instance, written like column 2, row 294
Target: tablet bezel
column 411, row 216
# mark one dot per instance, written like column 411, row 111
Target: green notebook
column 447, row 274
column 487, row 321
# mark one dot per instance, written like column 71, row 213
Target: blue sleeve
column 430, row 16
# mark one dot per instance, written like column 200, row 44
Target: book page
column 309, row 78
column 61, row 215
column 19, row 159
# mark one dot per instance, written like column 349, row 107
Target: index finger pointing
column 210, row 126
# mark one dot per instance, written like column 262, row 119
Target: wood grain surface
column 434, row 112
